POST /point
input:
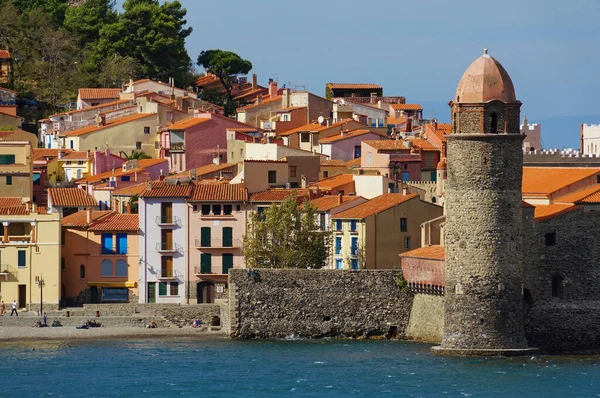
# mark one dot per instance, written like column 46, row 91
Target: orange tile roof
column 328, row 184
column 8, row 201
column 442, row 130
column 106, row 105
column 328, row 202
column 396, row 120
column 162, row 189
column 423, row 145
column 316, row 127
column 547, row 180
column 550, row 211
column 353, row 163
column 277, row 194
column 203, row 170
column 4, row 54
column 5, row 134
column 433, row 252
column 333, row 163
column 111, row 123
column 142, row 165
column 130, row 190
column 79, row 155
column 345, row 136
column 43, row 153
column 264, row 101
column 187, row 123
column 387, row 145
column 14, row 210
column 587, row 195
column 79, row 219
column 353, row 86
column 70, row 197
column 220, row 193
column 116, row 222
column 376, row 205
column 99, row 93
column 406, row 107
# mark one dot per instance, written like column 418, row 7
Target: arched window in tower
column 494, row 124
column 557, row 285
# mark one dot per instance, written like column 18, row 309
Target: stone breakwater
column 270, row 303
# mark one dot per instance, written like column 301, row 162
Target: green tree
column 286, row 236
column 86, row 19
column 225, row 65
column 151, row 33
column 116, row 70
column 136, row 155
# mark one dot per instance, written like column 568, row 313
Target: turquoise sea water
column 325, row 368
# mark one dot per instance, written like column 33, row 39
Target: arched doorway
column 206, row 292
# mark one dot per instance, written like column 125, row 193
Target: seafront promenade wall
column 271, row 303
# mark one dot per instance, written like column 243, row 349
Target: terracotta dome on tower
column 485, row 80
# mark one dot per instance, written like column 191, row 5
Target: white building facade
column 590, row 139
column 533, row 136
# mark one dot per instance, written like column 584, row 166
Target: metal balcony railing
column 168, row 220
column 168, row 247
column 217, row 243
column 177, row 147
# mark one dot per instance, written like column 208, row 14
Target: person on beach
column 197, row 323
column 45, row 319
column 14, row 308
column 2, row 308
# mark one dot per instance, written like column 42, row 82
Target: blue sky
column 418, row 49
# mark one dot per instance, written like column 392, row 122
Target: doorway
column 151, row 292
column 94, row 294
column 206, row 292
column 22, row 296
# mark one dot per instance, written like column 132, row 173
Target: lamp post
column 40, row 282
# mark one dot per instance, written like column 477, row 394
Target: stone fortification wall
column 317, row 303
column 426, row 321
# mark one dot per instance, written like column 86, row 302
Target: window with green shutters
column 205, row 263
column 8, row 180
column 227, row 237
column 7, row 159
column 21, row 258
column 162, row 289
column 227, row 262
column 205, row 237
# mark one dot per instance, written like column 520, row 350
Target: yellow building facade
column 16, row 169
column 29, row 257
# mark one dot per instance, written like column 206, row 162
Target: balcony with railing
column 168, row 247
column 166, row 273
column 218, row 243
column 177, row 147
column 168, row 221
column 6, row 271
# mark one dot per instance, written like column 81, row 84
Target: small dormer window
column 494, row 124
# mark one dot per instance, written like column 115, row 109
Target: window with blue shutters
column 338, row 263
column 121, row 243
column 22, row 258
column 352, row 225
column 338, row 225
column 106, row 268
column 107, row 244
column 354, row 246
column 338, row 245
column 354, row 263
column 121, row 268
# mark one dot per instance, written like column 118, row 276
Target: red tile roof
column 111, row 123
column 70, row 197
column 116, row 222
column 142, row 165
column 406, row 107
column 376, row 205
column 328, row 202
column 442, row 130
column 550, row 211
column 278, row 194
column 331, row 183
column 333, row 163
column 353, row 163
column 352, row 86
column 187, row 123
column 7, row 201
column 4, row 54
column 78, row 155
column 317, row 128
column 263, row 102
column 99, row 93
column 220, row 193
column 396, row 120
column 43, row 153
column 387, row 145
column 96, row 107
column 347, row 135
column 79, row 219
column 14, row 210
column 130, row 190
column 547, row 180
column 163, row 189
column 433, row 252
column 588, row 195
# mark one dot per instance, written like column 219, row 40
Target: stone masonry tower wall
column 484, row 236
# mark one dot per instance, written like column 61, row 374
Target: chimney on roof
column 148, row 183
column 285, row 99
column 254, row 81
column 303, row 181
column 340, row 198
column 404, row 189
column 89, row 153
column 88, row 215
column 408, row 125
column 373, row 98
column 272, row 88
column 162, row 177
column 60, row 154
column 130, row 85
column 435, row 125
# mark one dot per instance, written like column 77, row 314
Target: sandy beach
column 17, row 333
